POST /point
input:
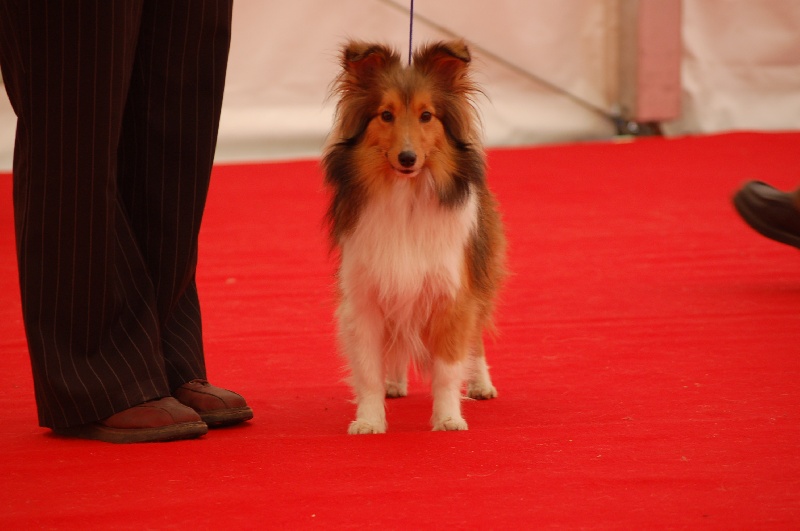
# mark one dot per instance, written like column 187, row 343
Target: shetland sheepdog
column 419, row 238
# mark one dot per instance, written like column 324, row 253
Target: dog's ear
column 362, row 65
column 448, row 61
column 363, row 60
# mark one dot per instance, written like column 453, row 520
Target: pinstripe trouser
column 118, row 106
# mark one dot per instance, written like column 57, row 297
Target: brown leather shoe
column 164, row 419
column 216, row 406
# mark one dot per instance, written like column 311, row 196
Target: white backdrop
column 741, row 65
column 740, row 68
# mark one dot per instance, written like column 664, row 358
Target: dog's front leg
column 451, row 327
column 446, row 380
column 362, row 336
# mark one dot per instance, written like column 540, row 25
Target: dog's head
column 409, row 117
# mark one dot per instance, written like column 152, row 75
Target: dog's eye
column 387, row 116
column 425, row 117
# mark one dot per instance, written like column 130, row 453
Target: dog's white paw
column 364, row 427
column 396, row 389
column 450, row 424
column 481, row 391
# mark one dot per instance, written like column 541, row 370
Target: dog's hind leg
column 479, row 383
column 397, row 362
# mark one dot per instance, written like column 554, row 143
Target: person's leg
column 87, row 299
column 167, row 151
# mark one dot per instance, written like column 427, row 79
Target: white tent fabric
column 740, row 68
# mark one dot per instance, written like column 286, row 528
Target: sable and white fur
column 420, row 240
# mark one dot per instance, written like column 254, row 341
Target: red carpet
column 647, row 365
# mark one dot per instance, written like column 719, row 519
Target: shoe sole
column 761, row 227
column 99, row 432
column 226, row 417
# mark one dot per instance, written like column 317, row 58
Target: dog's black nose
column 407, row 158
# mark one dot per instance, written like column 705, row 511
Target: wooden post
column 650, row 60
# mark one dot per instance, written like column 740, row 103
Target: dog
column 418, row 235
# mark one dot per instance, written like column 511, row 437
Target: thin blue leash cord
column 411, row 32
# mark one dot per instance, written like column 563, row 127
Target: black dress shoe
column 770, row 212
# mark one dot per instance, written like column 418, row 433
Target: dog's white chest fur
column 406, row 250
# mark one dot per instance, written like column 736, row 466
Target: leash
column 410, row 31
